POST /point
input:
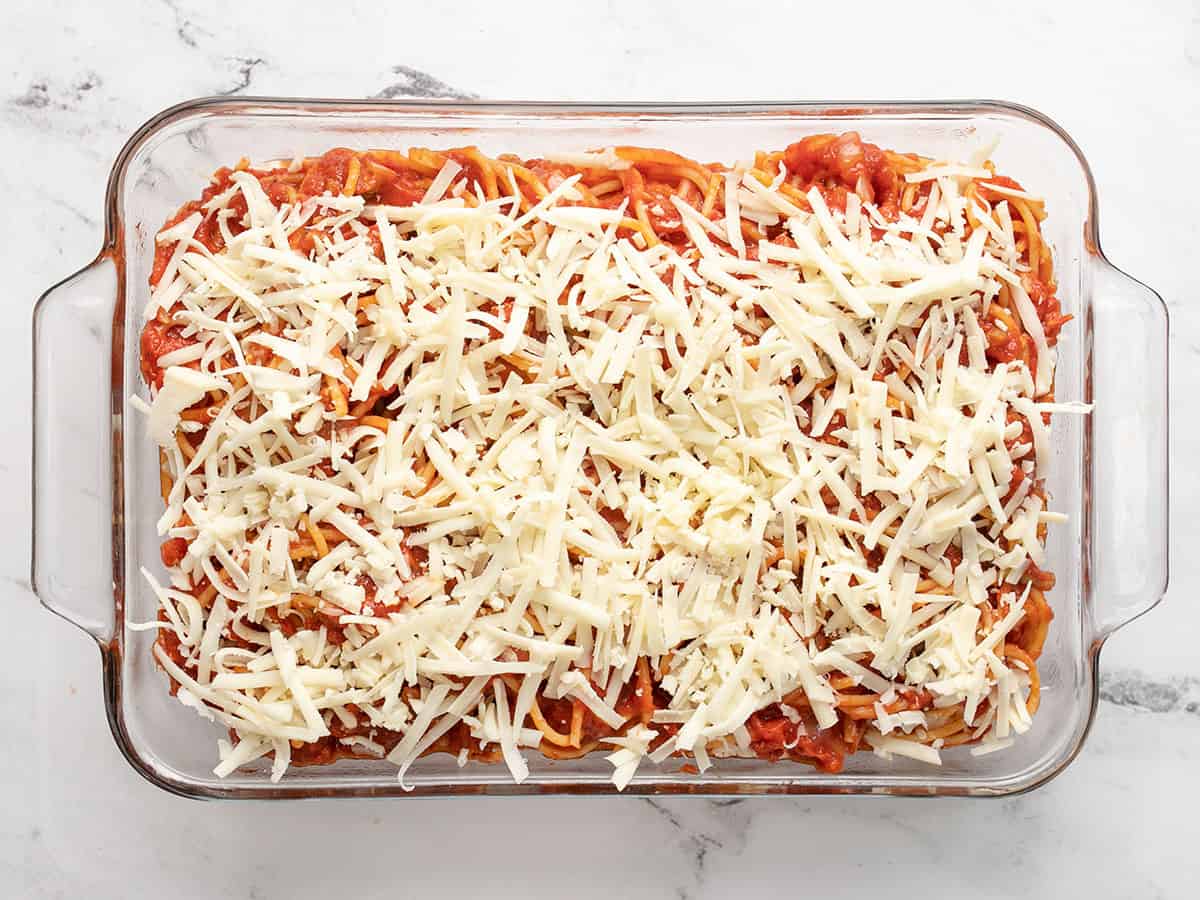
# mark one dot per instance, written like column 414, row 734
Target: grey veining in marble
column 77, row 821
column 1135, row 691
column 415, row 83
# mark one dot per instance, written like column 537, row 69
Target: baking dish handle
column 72, row 463
column 1130, row 510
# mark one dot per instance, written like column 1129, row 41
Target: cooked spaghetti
column 608, row 451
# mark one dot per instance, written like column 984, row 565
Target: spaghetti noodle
column 614, row 450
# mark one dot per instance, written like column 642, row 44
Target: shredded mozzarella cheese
column 592, row 451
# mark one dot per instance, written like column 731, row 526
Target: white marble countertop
column 77, row 821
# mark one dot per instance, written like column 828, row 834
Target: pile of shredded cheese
column 619, row 443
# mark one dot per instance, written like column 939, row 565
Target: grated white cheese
column 593, row 452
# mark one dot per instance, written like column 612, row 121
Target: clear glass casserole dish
column 95, row 473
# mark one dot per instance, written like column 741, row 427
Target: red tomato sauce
column 841, row 163
column 158, row 340
column 173, row 551
column 1049, row 310
column 773, row 736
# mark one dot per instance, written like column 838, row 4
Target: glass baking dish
column 95, row 471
